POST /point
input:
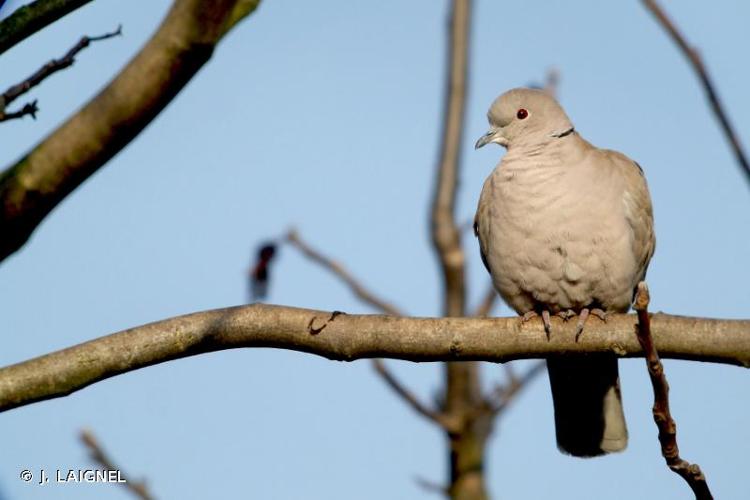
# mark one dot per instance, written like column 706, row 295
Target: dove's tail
column 588, row 410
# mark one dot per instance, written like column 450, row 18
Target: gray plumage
column 565, row 226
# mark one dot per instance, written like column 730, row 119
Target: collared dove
column 565, row 228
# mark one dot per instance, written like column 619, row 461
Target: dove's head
column 525, row 116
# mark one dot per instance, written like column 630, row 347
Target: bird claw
column 545, row 320
column 547, row 325
column 583, row 316
column 602, row 315
column 527, row 316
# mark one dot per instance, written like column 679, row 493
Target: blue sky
column 326, row 116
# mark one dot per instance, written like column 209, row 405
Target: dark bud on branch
column 260, row 274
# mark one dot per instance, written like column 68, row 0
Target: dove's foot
column 583, row 316
column 545, row 320
column 566, row 315
column 527, row 316
column 599, row 313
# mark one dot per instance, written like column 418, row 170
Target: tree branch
column 345, row 337
column 552, row 81
column 31, row 188
column 340, row 272
column 431, row 486
column 691, row 473
column 697, row 63
column 52, row 67
column 496, row 402
column 445, row 232
column 488, row 302
column 30, row 108
column 97, row 454
column 372, row 300
column 443, row 420
column 462, row 398
column 505, row 393
column 27, row 20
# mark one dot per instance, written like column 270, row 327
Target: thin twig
column 440, row 418
column 553, row 81
column 97, row 454
column 505, row 393
column 30, row 108
column 700, row 69
column 510, row 373
column 431, row 486
column 368, row 297
column 52, row 67
column 691, row 473
column 340, row 272
column 488, row 302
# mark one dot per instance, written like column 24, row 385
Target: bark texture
column 343, row 337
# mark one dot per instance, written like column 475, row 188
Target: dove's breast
column 555, row 236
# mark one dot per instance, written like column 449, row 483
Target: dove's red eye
column 522, row 113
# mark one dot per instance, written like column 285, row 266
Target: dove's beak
column 490, row 136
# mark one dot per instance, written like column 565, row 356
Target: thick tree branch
column 97, row 454
column 700, row 69
column 445, row 232
column 31, row 188
column 52, row 67
column 347, row 337
column 27, row 20
column 691, row 473
column 463, row 394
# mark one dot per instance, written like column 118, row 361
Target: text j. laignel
column 82, row 476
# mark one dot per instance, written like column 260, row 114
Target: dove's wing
column 637, row 207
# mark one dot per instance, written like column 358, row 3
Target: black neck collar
column 566, row 132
